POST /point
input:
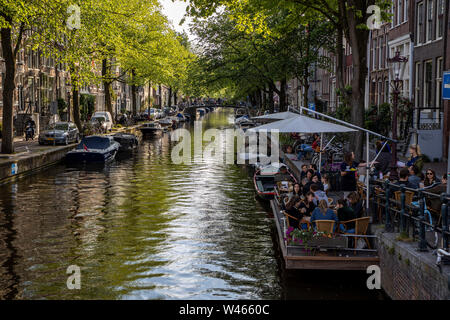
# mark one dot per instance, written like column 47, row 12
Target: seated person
column 414, row 179
column 297, row 190
column 356, row 204
column 345, row 213
column 430, row 178
column 283, row 175
column 403, row 179
column 326, row 183
column 305, row 148
column 322, row 212
column 308, row 206
column 313, row 167
column 303, row 172
column 318, row 194
column 292, row 209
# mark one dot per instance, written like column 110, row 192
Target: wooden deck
column 326, row 259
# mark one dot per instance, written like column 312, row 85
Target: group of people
column 309, row 202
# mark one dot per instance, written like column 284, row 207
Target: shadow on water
column 142, row 227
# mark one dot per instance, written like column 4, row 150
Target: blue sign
column 14, row 169
column 446, row 85
column 312, row 106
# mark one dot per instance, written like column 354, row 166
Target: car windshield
column 98, row 119
column 60, row 126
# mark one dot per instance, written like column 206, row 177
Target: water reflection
column 141, row 228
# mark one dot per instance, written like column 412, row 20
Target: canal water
column 145, row 228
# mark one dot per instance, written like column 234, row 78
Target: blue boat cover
column 94, row 142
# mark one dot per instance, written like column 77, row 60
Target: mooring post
column 386, row 208
column 403, row 209
column 444, row 214
column 422, row 240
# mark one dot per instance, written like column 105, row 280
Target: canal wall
column 23, row 164
column 29, row 162
column 407, row 274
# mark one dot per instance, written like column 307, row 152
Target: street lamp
column 397, row 69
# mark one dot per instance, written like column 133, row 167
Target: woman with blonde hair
column 415, row 157
column 322, row 212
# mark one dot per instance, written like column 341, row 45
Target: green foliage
column 378, row 118
column 87, row 106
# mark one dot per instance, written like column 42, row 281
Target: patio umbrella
column 304, row 124
column 277, row 116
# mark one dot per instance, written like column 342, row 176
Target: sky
column 175, row 11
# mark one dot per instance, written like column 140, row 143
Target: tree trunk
column 175, row 98
column 358, row 40
column 340, row 59
column 76, row 108
column 271, row 104
column 107, row 88
column 170, row 96
column 305, row 91
column 283, row 95
column 133, row 94
column 8, row 91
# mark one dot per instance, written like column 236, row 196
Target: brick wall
column 407, row 274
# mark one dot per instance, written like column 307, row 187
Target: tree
column 349, row 17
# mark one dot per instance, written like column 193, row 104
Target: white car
column 104, row 117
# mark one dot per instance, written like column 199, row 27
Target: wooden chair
column 287, row 216
column 379, row 192
column 408, row 200
column 361, row 227
column 325, row 225
column 330, row 201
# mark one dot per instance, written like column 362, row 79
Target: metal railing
column 414, row 219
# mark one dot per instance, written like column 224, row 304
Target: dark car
column 60, row 133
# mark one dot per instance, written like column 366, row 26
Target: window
column 417, row 85
column 405, row 10
column 374, row 54
column 399, row 11
column 419, row 23
column 440, row 18
column 439, row 73
column 380, row 52
column 386, row 90
column 428, row 81
column 429, row 27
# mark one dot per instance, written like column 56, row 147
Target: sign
column 312, row 106
column 446, row 85
column 14, row 169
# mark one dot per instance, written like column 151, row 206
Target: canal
column 145, row 228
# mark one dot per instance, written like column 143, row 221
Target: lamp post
column 397, row 68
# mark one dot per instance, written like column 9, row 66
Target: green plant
column 302, row 237
column 87, row 106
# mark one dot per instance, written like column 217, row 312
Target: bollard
column 444, row 213
column 386, row 208
column 403, row 209
column 422, row 240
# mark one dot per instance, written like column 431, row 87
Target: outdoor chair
column 361, row 227
column 287, row 216
column 325, row 225
column 408, row 200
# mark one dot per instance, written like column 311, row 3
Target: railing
column 415, row 219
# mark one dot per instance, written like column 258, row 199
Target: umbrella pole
column 320, row 152
column 367, row 172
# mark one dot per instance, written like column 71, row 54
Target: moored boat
column 266, row 177
column 94, row 149
column 151, row 128
column 128, row 142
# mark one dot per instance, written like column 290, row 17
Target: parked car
column 60, row 132
column 104, row 118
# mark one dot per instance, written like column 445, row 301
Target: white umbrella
column 303, row 124
column 277, row 116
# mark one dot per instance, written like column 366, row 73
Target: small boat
column 245, row 125
column 94, row 149
column 242, row 119
column 151, row 128
column 265, row 179
column 181, row 117
column 166, row 122
column 201, row 112
column 128, row 142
